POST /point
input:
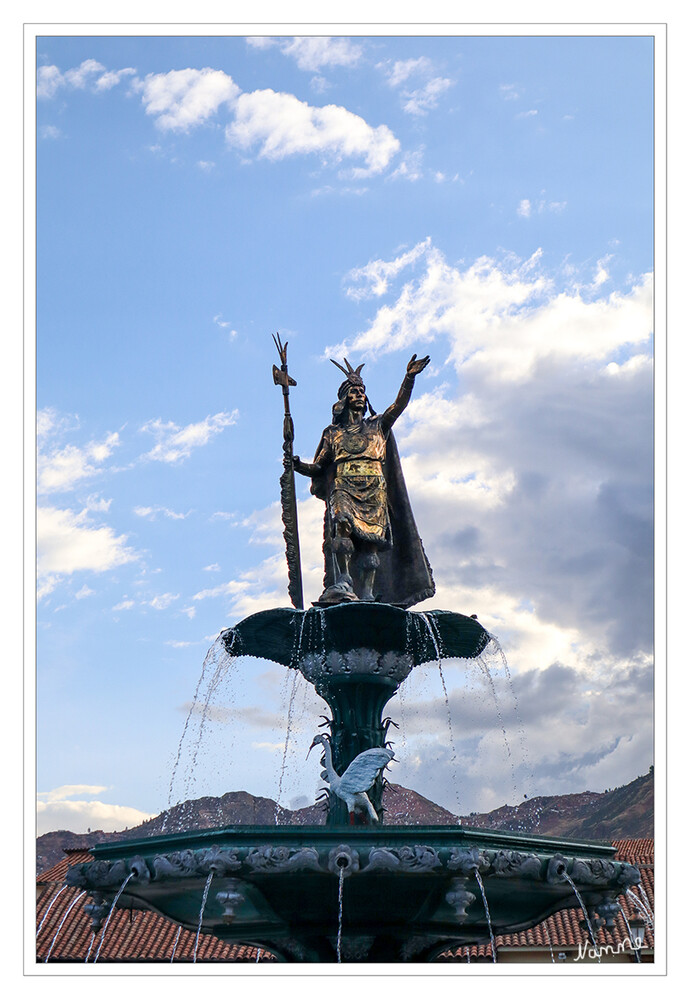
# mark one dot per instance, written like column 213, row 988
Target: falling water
column 531, row 787
column 641, row 908
column 584, row 912
column 52, row 943
column 645, row 897
column 52, row 903
column 486, row 670
column 223, row 662
column 112, row 910
column 88, row 953
column 630, row 936
column 209, row 879
column 258, row 955
column 436, row 641
column 548, row 940
column 341, row 878
column 468, row 955
column 177, row 937
column 221, row 659
column 486, row 910
column 288, row 730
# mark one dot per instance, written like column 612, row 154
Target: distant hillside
column 624, row 813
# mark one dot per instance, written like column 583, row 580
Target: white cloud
column 410, row 167
column 212, row 568
column 314, row 52
column 124, row 605
column 89, row 73
column 185, row 98
column 527, row 114
column 111, row 78
column 281, row 125
column 402, row 69
column 60, row 468
column 163, row 600
column 49, row 132
column 177, row 443
column 54, row 811
column 151, row 512
column 524, row 209
column 83, row 73
column 424, row 99
column 499, row 319
column 83, row 592
column 373, row 279
column 49, row 81
column 67, row 542
column 206, row 165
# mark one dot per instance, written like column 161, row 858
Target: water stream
column 88, row 953
column 486, row 910
column 177, row 938
column 209, row 879
column 630, row 936
column 592, row 934
column 548, row 940
column 641, row 908
column 52, row 943
column 112, row 910
column 47, row 912
column 341, row 878
column 436, row 642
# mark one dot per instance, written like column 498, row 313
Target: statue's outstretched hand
column 415, row 366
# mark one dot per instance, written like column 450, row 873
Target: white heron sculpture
column 352, row 787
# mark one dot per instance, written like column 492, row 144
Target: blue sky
column 486, row 200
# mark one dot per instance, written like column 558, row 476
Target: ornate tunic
column 358, row 490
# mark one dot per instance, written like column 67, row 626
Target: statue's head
column 352, row 393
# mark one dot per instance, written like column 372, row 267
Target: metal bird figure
column 353, row 785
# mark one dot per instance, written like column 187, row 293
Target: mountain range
column 625, row 812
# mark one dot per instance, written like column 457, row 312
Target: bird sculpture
column 353, row 785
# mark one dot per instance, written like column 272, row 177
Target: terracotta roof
column 145, row 936
column 562, row 931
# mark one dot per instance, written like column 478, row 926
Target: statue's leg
column 368, row 564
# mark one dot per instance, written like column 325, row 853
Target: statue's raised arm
column 371, row 546
column 414, row 367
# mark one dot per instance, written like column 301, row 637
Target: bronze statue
column 371, row 546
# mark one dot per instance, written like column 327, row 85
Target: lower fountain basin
column 409, row 892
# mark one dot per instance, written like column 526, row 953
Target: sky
column 485, row 200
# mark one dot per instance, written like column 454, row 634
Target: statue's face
column 356, row 398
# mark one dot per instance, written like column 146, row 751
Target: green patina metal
column 356, row 655
column 409, row 892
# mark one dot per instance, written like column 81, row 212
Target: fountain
column 355, row 889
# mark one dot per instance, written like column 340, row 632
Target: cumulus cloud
column 372, row 280
column 69, row 541
column 425, row 98
column 314, row 52
column 90, row 74
column 184, row 98
column 422, row 99
column 281, row 125
column 59, row 468
column 54, row 811
column 175, row 443
column 528, row 458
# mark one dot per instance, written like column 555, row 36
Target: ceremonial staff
column 288, row 498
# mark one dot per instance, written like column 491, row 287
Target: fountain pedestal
column 409, row 892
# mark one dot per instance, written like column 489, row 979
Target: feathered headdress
column 353, row 377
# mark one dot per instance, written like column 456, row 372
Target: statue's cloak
column 404, row 576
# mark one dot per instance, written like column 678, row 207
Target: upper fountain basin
column 295, row 637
